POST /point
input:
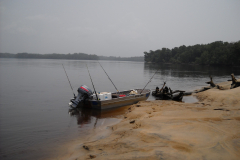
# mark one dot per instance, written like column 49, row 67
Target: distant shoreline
column 74, row 56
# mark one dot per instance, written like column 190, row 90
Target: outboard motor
column 84, row 93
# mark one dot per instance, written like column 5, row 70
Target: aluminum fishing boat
column 107, row 100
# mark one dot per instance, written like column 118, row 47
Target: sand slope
column 209, row 129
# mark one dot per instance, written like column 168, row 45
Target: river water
column 34, row 96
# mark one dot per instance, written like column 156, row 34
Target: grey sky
column 114, row 28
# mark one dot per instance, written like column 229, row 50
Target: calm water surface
column 34, row 96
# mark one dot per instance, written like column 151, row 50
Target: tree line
column 215, row 53
column 74, row 56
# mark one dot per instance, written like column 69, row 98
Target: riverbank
column 208, row 129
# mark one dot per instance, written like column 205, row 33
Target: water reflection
column 86, row 115
column 185, row 70
column 187, row 77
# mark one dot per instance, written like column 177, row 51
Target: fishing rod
column 92, row 82
column 108, row 76
column 149, row 80
column 69, row 81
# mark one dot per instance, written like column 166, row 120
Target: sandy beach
column 208, row 129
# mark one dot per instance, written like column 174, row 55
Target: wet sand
column 208, row 129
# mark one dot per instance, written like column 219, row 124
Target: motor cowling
column 84, row 93
column 83, row 89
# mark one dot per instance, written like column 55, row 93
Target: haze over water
column 34, row 96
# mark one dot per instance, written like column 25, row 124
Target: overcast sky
column 114, row 27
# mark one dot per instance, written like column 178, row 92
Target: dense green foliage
column 216, row 53
column 75, row 56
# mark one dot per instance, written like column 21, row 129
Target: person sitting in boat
column 157, row 90
column 165, row 90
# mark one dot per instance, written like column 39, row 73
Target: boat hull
column 116, row 102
